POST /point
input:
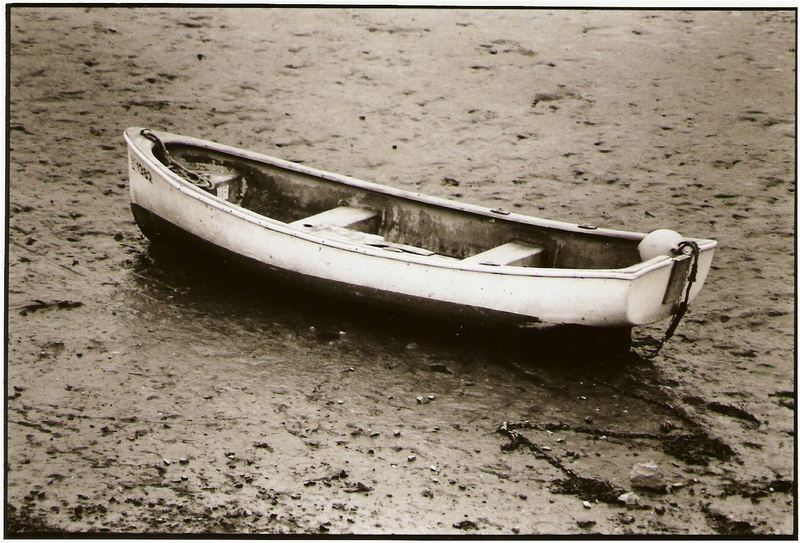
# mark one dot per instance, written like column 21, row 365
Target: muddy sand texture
column 146, row 394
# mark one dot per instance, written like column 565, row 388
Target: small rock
column 411, row 346
column 358, row 486
column 660, row 509
column 630, row 499
column 422, row 399
column 586, row 523
column 587, row 505
column 648, row 476
column 450, row 181
column 626, row 518
column 396, row 433
column 667, row 426
column 427, row 493
column 465, row 525
column 167, row 462
column 183, row 461
column 411, row 457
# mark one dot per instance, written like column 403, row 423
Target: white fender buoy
column 658, row 243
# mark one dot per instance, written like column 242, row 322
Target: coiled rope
column 194, row 178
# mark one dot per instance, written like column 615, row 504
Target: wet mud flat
column 154, row 391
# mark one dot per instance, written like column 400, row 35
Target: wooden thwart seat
column 354, row 225
column 513, row 253
column 356, row 218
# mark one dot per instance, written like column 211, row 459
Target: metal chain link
column 684, row 305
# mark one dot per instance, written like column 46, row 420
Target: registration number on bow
column 144, row 172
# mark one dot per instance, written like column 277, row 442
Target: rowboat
column 381, row 243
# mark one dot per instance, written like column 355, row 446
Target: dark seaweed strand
column 584, row 487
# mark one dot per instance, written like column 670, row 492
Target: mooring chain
column 193, row 177
column 684, row 305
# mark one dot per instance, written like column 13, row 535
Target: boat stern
column 657, row 292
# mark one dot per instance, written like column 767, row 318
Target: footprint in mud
column 552, row 98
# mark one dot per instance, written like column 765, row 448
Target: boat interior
column 360, row 216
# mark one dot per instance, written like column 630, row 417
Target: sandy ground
column 148, row 395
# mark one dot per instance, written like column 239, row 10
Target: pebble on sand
column 648, row 476
column 631, row 499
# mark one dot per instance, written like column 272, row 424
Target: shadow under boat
column 207, row 268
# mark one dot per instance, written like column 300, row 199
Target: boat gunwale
column 629, row 273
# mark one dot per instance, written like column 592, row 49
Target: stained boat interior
column 372, row 218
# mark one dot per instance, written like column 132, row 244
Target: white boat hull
column 537, row 296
